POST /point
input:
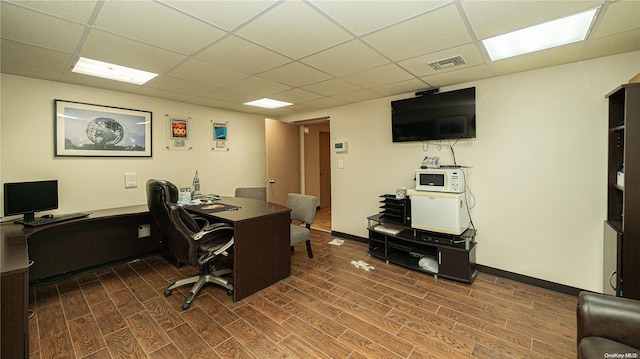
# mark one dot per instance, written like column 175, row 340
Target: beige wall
column 539, row 167
column 538, row 174
column 27, row 127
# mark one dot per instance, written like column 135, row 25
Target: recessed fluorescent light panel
column 550, row 34
column 112, row 72
column 268, row 103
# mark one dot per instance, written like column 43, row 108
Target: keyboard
column 41, row 221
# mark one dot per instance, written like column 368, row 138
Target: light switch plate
column 130, row 180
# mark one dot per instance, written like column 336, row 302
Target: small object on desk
column 52, row 219
column 213, row 206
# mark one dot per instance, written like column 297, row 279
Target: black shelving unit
column 623, row 202
column 453, row 257
column 395, row 210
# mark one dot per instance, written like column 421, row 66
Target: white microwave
column 451, row 180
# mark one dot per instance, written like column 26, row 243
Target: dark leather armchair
column 608, row 325
column 191, row 240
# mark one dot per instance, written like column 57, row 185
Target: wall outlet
column 130, row 180
column 144, row 230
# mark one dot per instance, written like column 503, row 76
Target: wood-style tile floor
column 322, row 220
column 327, row 308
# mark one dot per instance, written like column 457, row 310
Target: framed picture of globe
column 84, row 129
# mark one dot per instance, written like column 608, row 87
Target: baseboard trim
column 536, row 282
column 350, row 236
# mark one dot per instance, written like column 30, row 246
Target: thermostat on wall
column 340, row 146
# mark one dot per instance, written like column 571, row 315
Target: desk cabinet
column 14, row 299
column 449, row 256
column 58, row 250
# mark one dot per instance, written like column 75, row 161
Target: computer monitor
column 27, row 198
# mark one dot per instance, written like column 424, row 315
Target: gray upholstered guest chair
column 252, row 192
column 303, row 209
column 190, row 240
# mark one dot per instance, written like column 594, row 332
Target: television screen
column 439, row 116
column 30, row 197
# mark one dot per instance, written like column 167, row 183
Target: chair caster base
column 186, row 306
column 230, row 292
column 167, row 292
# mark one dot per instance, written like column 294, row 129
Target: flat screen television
column 439, row 116
column 28, row 198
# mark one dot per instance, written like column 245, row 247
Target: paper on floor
column 337, row 242
column 362, row 264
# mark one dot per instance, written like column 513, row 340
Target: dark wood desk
column 262, row 254
column 59, row 250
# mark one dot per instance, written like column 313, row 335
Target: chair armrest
column 201, row 221
column 210, row 229
column 610, row 317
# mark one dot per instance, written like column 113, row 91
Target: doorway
column 317, row 168
column 299, row 160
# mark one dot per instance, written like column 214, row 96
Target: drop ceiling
column 315, row 54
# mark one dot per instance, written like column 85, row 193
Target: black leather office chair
column 191, row 240
column 303, row 209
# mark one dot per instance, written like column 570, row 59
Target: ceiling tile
column 169, row 29
column 344, row 59
column 73, row 10
column 620, row 16
column 614, row 44
column 208, row 74
column 92, row 81
column 540, row 59
column 295, row 74
column 242, row 55
column 169, row 83
column 325, row 102
column 491, row 18
column 31, row 27
column 385, row 74
column 294, row 30
column 297, row 95
column 259, row 86
column 458, row 76
column 225, row 14
column 37, row 56
column 26, row 70
column 435, row 31
column 101, row 46
column 373, row 15
column 288, row 110
column 332, row 87
column 419, row 66
column 357, row 96
column 401, row 87
column 314, row 53
column 161, row 93
column 208, row 102
column 232, row 96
